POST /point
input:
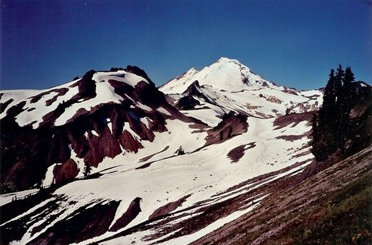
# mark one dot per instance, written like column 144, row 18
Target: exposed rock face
column 284, row 121
column 238, row 152
column 79, row 226
column 231, row 125
column 194, row 90
column 92, row 133
column 129, row 143
column 60, row 92
column 290, row 91
column 138, row 71
column 133, row 210
column 187, row 103
column 24, row 153
column 65, row 172
column 5, row 105
column 169, row 207
column 87, row 86
column 273, row 99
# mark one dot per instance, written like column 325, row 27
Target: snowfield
column 169, row 177
column 35, row 111
column 174, row 188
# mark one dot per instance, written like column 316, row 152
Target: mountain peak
column 228, row 60
column 224, row 74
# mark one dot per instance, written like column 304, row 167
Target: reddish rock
column 65, row 172
column 238, row 152
column 129, row 143
column 157, row 123
column 108, row 144
column 231, row 125
column 133, row 210
column 94, row 154
column 100, row 147
column 87, row 86
column 137, row 126
column 290, row 91
column 86, row 222
column 58, row 149
column 117, row 120
column 78, row 142
column 12, row 176
column 273, row 99
column 169, row 207
column 284, row 121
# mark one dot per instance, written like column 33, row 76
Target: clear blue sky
column 294, row 43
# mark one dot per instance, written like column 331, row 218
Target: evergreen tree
column 348, row 89
column 87, row 169
column 348, row 102
column 329, row 98
column 339, row 117
column 324, row 126
column 338, row 85
column 315, row 130
column 334, row 131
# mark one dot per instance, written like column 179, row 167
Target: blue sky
column 294, row 43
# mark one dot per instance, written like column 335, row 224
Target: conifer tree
column 338, row 85
column 330, row 93
column 348, row 89
column 87, row 169
column 324, row 129
column 334, row 131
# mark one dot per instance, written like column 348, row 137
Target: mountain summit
column 227, row 85
column 227, row 74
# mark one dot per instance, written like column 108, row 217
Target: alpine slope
column 111, row 159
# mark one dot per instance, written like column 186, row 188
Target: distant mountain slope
column 229, row 85
column 224, row 74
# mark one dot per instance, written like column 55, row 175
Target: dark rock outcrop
column 86, row 85
column 169, row 207
column 284, row 121
column 187, row 103
column 232, row 124
column 83, row 224
column 195, row 90
column 4, row 105
column 238, row 152
column 138, row 71
column 65, row 172
column 133, row 210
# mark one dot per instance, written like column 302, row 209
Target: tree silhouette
column 87, row 170
column 333, row 129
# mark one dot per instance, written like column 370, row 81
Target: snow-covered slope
column 37, row 104
column 229, row 85
column 224, row 74
column 159, row 175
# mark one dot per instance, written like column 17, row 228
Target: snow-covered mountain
column 227, row 85
column 166, row 168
